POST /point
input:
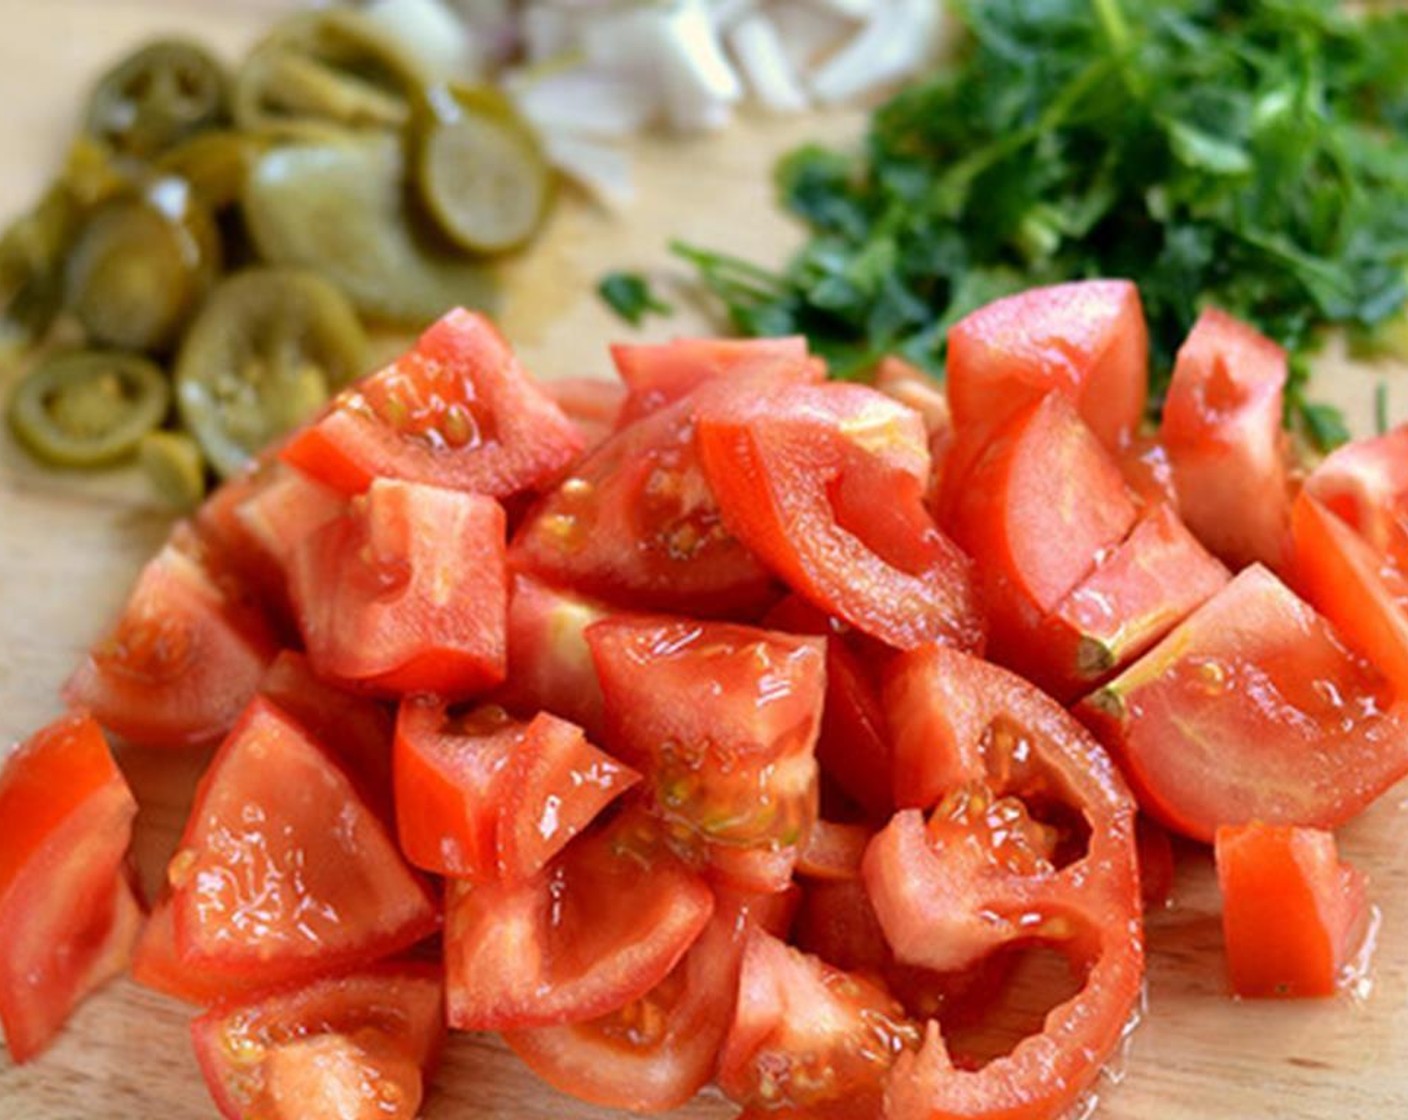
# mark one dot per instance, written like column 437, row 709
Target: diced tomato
column 1156, row 862
column 457, row 410
column 1366, row 484
column 636, row 523
column 1292, row 914
column 601, row 926
column 1251, row 709
column 1343, row 578
column 912, row 387
column 658, row 374
column 722, row 720
column 853, row 748
column 797, row 470
column 1222, row 430
column 549, row 662
column 283, row 872
column 286, row 509
column 833, row 851
column 1138, row 592
column 68, row 917
column 484, row 796
column 1040, row 505
column 354, row 1047
column 181, row 662
column 157, row 965
column 407, row 593
column 657, row 1051
column 1086, row 340
column 808, row 1036
column 356, row 729
column 1037, row 848
column 1148, row 473
column 593, row 404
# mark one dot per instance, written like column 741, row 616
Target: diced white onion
column 602, row 170
column 898, row 38
column 430, row 33
column 766, row 66
column 585, row 102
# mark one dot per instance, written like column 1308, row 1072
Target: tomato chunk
column 1037, row 509
column 351, row 1048
column 283, row 872
column 480, row 795
column 637, row 524
column 1251, row 709
column 1086, row 340
column 723, row 721
column 157, row 965
column 796, row 470
column 593, row 404
column 1342, row 577
column 658, row 374
column 808, row 1036
column 1292, row 914
column 456, row 410
column 1138, row 592
column 603, row 924
column 1222, row 430
column 181, row 663
column 1366, row 484
column 407, row 593
column 68, row 918
column 657, row 1051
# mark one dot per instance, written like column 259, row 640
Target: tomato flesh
column 593, row 404
column 457, row 410
column 181, row 663
column 68, row 917
column 637, row 524
column 1251, row 709
column 723, row 721
column 599, row 927
column 355, row 1046
column 407, row 593
column 1086, row 340
column 283, row 872
column 796, row 470
column 1222, row 430
column 1292, row 913
column 1366, row 483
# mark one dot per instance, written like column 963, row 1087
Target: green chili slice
column 160, row 94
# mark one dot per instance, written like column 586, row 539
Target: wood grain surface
column 69, row 546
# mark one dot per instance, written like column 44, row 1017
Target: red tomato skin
column 1139, row 591
column 1318, row 743
column 1039, row 507
column 1340, row 575
column 1222, row 430
column 1087, row 340
column 1292, row 913
column 723, row 721
column 319, row 888
column 181, row 662
column 449, row 776
column 636, row 524
column 1366, row 484
column 457, row 410
column 658, row 374
column 408, row 593
column 598, row 928
column 157, row 965
column 796, row 469
column 655, row 1053
column 395, row 1008
column 67, row 914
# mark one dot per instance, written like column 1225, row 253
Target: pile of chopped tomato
column 757, row 730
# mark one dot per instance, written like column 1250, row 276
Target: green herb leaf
column 629, row 295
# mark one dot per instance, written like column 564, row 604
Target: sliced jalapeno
column 480, row 169
column 158, row 95
column 88, row 408
column 339, row 207
column 269, row 347
column 213, row 163
column 324, row 69
column 175, row 467
column 32, row 254
column 140, row 266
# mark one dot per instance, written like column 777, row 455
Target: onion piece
column 765, row 64
column 899, row 38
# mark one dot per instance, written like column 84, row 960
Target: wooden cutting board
column 70, row 545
